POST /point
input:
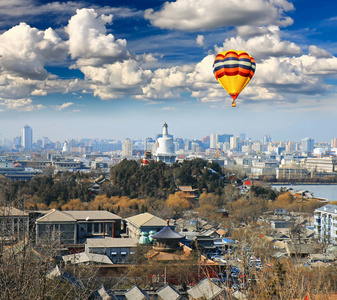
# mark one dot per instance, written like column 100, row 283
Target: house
column 14, row 224
column 136, row 293
column 168, row 293
column 103, row 294
column 145, row 222
column 299, row 250
column 325, row 223
column 280, row 211
column 86, row 259
column 188, row 191
column 247, row 182
column 205, row 289
column 74, row 227
column 117, row 249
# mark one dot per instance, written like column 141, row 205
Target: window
column 96, row 228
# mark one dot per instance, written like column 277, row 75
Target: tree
column 178, row 203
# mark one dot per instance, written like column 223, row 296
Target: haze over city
column 116, row 70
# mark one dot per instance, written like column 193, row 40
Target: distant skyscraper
column 224, row 138
column 213, row 140
column 27, row 137
column 127, row 148
column 234, row 142
column 334, row 143
column 308, row 145
column 242, row 136
column 17, row 141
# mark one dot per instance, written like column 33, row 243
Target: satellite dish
column 87, row 218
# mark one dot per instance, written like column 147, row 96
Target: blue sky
column 117, row 69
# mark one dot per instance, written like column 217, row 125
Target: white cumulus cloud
column 202, row 15
column 263, row 46
column 200, row 40
column 89, row 41
column 20, row 104
column 24, row 51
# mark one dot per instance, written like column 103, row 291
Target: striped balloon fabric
column 233, row 69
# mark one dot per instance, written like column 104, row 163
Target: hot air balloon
column 233, row 69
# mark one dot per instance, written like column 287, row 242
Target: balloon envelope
column 233, row 69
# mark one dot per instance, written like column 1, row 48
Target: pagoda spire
column 165, row 132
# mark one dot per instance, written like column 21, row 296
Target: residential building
column 263, row 168
column 127, row 148
column 117, row 249
column 234, row 143
column 308, row 145
column 74, row 227
column 334, row 143
column 213, row 140
column 27, row 137
column 145, row 222
column 321, row 164
column 14, row 224
column 291, row 172
column 325, row 223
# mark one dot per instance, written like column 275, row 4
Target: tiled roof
column 92, row 214
column 84, row 257
column 205, row 289
column 109, row 242
column 168, row 293
column 328, row 208
column 146, row 219
column 77, row 215
column 167, row 234
column 12, row 211
column 136, row 293
column 56, row 216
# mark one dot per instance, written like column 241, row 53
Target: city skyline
column 213, row 139
column 75, row 69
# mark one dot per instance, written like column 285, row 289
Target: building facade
column 325, row 223
column 27, row 137
column 127, row 148
column 74, row 227
column 307, row 145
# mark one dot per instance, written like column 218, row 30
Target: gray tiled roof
column 146, row 219
column 77, row 215
column 92, row 214
column 56, row 216
column 12, row 211
column 109, row 242
column 328, row 208
column 167, row 233
column 205, row 289
column 136, row 293
column 84, row 257
column 168, row 293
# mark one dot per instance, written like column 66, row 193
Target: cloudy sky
column 117, row 69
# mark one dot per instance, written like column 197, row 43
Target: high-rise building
column 234, row 142
column 17, row 142
column 213, row 140
column 334, row 143
column 27, row 137
column 308, row 145
column 127, row 148
column 242, row 136
column 224, row 138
